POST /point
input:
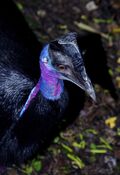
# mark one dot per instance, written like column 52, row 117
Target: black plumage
column 21, row 138
column 19, row 72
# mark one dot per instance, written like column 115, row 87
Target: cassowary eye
column 61, row 67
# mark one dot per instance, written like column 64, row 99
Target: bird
column 34, row 99
column 42, row 88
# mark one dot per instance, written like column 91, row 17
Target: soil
column 91, row 145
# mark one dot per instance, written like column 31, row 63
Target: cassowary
column 34, row 99
column 39, row 89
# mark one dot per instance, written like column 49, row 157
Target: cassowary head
column 61, row 60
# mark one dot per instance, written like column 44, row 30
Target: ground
column 91, row 145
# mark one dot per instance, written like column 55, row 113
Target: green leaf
column 76, row 160
column 28, row 170
column 92, row 146
column 98, row 151
column 67, row 148
column 105, row 142
column 110, row 72
column 37, row 165
column 92, row 131
column 56, row 140
column 81, row 136
column 118, row 131
column 80, row 145
column 100, row 20
column 88, row 28
column 20, row 6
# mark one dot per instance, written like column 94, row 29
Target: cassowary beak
column 81, row 80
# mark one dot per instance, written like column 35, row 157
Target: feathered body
column 29, row 118
column 21, row 137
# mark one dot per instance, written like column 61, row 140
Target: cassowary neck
column 50, row 85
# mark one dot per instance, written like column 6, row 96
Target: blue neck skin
column 51, row 86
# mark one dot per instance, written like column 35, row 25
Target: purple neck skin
column 50, row 85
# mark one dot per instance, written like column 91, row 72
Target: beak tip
column 93, row 96
column 91, row 93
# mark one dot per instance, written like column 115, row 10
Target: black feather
column 19, row 72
